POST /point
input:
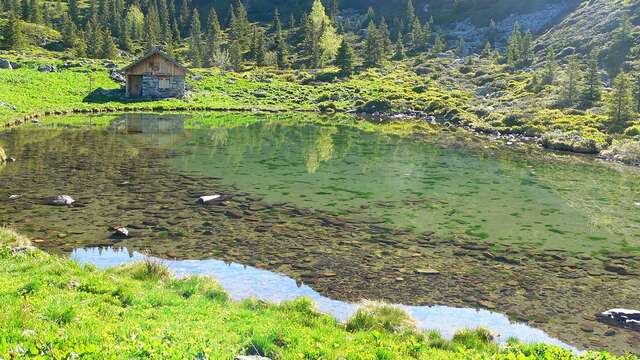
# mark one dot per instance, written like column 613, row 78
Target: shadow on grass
column 103, row 96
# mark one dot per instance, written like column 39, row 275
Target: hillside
column 595, row 25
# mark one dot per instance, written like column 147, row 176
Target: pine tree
column 492, row 33
column 636, row 91
column 261, row 51
column 195, row 42
column 385, row 35
column 399, row 53
column 345, row 58
column 550, row 67
column 74, row 11
column 13, row 34
column 292, row 22
column 439, row 44
column 592, row 85
column 68, row 31
column 417, row 35
column 152, row 28
column 35, row 15
column 321, row 41
column 620, row 102
column 334, row 11
column 487, row 51
column 369, row 18
column 109, row 48
column 460, row 50
column 165, row 22
column 571, row 83
column 214, row 36
column 514, row 47
column 184, row 17
column 80, row 46
column 410, row 15
column 526, row 52
column 94, row 38
column 235, row 55
column 282, row 53
column 374, row 48
column 25, row 10
column 126, row 43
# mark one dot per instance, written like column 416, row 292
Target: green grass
column 53, row 307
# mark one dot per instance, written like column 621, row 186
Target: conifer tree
column 109, row 48
column 487, row 51
column 636, row 91
column 13, row 34
column 282, row 53
column 439, row 44
column 416, row 35
column 292, row 22
column 166, row 32
column 410, row 15
column 369, row 18
column 492, row 33
column 94, row 38
column 213, row 35
column 571, row 83
column 195, row 42
column 320, row 38
column 345, row 58
column 74, row 11
column 235, row 55
column 400, row 52
column 514, row 47
column 385, row 35
column 25, row 10
column 184, row 17
column 68, row 31
column 620, row 102
column 460, row 50
column 126, row 43
column 334, row 11
column 35, row 15
column 374, row 48
column 550, row 67
column 592, row 85
column 151, row 28
column 260, row 51
column 80, row 45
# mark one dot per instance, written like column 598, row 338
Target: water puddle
column 243, row 282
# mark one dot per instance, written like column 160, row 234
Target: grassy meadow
column 56, row 308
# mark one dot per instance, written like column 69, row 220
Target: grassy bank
column 54, row 307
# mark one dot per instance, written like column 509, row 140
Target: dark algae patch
column 353, row 214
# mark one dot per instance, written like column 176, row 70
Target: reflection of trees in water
column 321, row 149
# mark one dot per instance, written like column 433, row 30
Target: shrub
column 377, row 105
column 149, row 269
column 632, row 131
column 59, row 312
column 626, row 151
column 575, row 141
column 380, row 316
column 474, row 339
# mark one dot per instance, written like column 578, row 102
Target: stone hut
column 156, row 75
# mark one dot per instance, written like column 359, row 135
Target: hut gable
column 156, row 75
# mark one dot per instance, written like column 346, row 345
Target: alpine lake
column 344, row 209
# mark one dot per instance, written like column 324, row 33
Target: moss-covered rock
column 574, row 141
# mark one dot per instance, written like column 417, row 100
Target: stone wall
column 151, row 87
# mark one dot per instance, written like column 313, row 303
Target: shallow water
column 445, row 219
column 246, row 282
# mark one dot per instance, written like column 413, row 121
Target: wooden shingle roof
column 151, row 53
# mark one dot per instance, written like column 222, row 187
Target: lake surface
column 444, row 219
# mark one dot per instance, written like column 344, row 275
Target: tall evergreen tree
column 410, row 15
column 36, row 12
column 369, row 18
column 620, row 102
column 439, row 45
column 514, row 47
column 195, row 42
column 166, row 32
column 13, row 33
column 235, row 55
column 385, row 35
column 374, row 48
column 80, row 46
column 550, row 66
column 74, row 11
column 69, row 30
column 185, row 12
column 109, row 48
column 345, row 58
column 213, row 35
column 571, row 83
column 152, row 28
column 320, row 37
column 400, row 52
column 592, row 85
column 492, row 33
column 636, row 91
column 460, row 50
column 282, row 52
column 334, row 11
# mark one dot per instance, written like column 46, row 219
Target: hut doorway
column 135, row 85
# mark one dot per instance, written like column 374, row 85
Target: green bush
column 626, row 151
column 383, row 317
column 632, row 131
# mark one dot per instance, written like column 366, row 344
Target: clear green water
column 441, row 219
column 503, row 197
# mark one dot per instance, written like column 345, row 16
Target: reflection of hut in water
column 163, row 129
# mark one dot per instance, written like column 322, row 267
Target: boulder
column 60, row 200
column 121, row 233
column 629, row 319
column 47, row 68
column 15, row 65
column 117, row 77
column 5, row 64
column 212, row 199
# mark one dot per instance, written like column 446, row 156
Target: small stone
column 61, row 200
column 427, row 272
column 618, row 269
column 62, row 235
column 121, row 233
column 14, row 197
column 587, row 329
column 610, row 332
column 328, row 274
